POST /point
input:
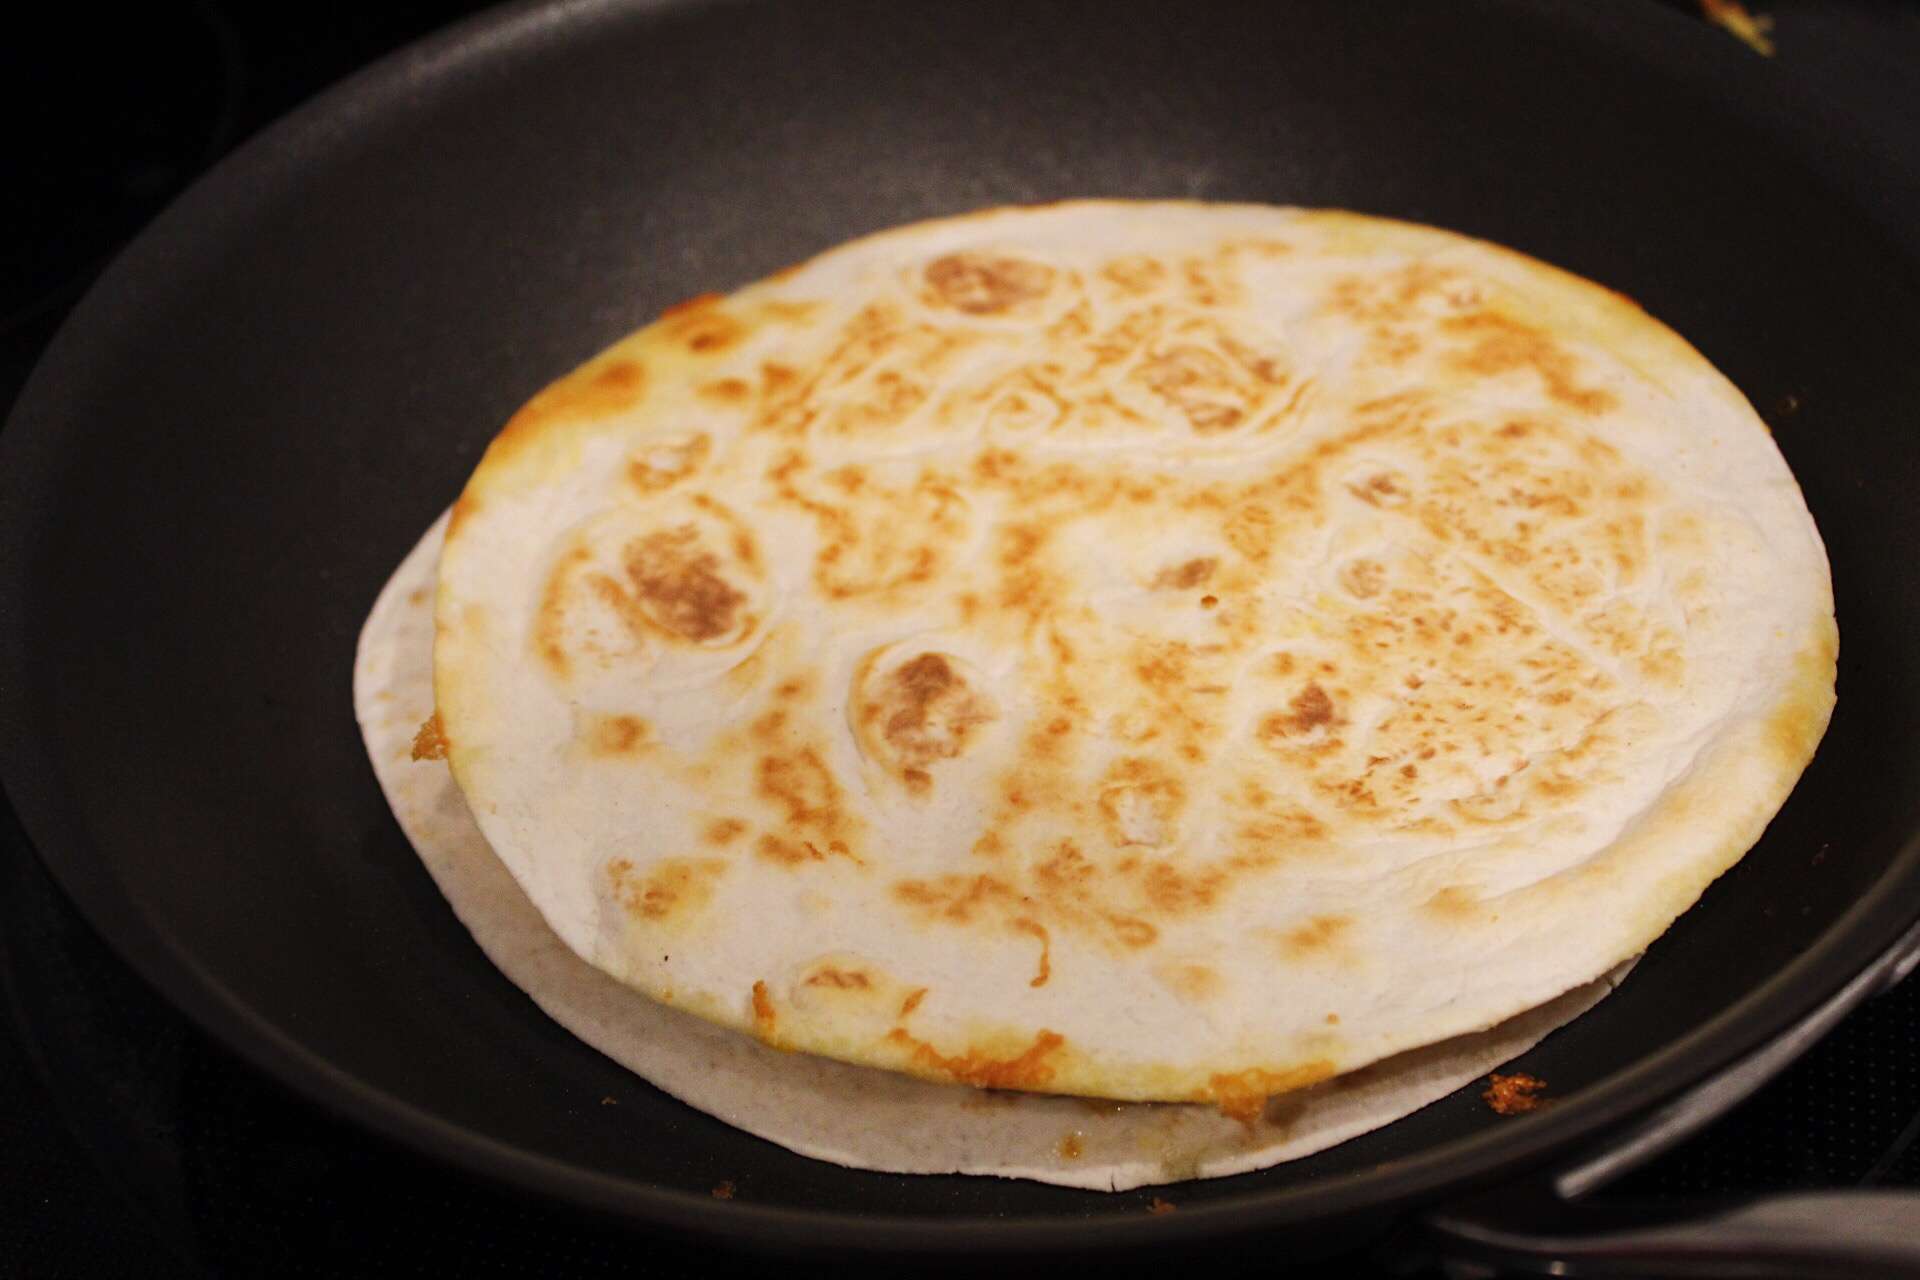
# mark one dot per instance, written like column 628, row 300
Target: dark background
column 130, row 1144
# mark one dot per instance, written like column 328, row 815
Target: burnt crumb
column 1514, row 1094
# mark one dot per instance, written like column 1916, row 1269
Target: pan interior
column 250, row 419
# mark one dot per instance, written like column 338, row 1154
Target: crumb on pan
column 1511, row 1095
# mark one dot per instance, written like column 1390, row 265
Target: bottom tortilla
column 861, row 1117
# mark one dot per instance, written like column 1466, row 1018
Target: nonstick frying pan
column 270, row 394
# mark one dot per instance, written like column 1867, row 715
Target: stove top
column 136, row 1145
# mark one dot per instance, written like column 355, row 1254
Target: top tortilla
column 1138, row 650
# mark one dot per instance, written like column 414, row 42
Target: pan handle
column 1813, row 1235
column 1546, row 1228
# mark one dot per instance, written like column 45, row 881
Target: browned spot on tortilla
column 983, row 284
column 1511, row 1095
column 1069, row 1147
column 616, row 383
column 841, row 979
column 728, row 391
column 1363, row 577
column 1187, row 576
column 1020, row 541
column 1453, row 902
column 1243, row 1094
column 724, row 831
column 1310, row 709
column 1039, row 931
column 702, row 325
column 765, row 1020
column 912, row 1002
column 671, row 890
column 1501, row 344
column 430, row 743
column 687, row 308
column 770, row 728
column 1252, row 528
column 550, row 620
column 661, row 465
column 1194, row 982
column 616, row 735
column 1141, row 800
column 1135, row 273
column 678, row 583
column 790, row 311
column 465, row 508
column 979, row 1068
column 1132, row 931
column 956, row 898
column 1201, row 385
column 792, row 853
column 773, row 848
column 928, row 712
column 803, row 786
column 1317, row 936
column 1795, row 726
column 878, row 539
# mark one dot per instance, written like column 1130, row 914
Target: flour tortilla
column 1151, row 651
column 861, row 1117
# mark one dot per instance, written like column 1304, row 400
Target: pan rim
column 33, row 789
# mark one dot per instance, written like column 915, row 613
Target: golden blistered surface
column 1106, row 611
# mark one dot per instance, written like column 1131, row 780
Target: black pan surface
column 276, row 388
